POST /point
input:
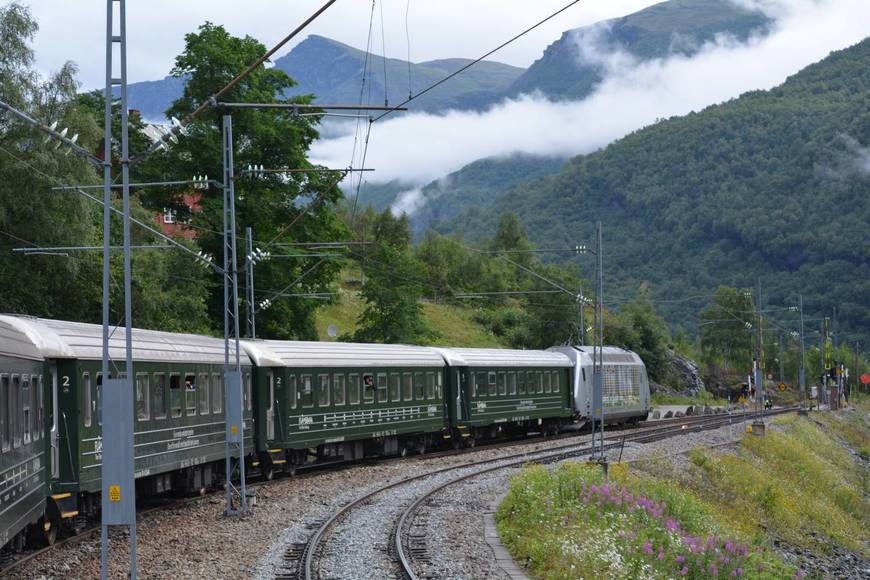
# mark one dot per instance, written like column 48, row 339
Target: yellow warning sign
column 115, row 493
column 781, row 386
column 234, row 429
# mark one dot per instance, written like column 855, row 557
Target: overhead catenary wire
column 477, row 60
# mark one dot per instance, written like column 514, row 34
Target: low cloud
column 850, row 160
column 418, row 148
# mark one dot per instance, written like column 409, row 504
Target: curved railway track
column 303, row 561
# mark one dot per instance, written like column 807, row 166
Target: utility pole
column 781, row 362
column 802, row 376
column 759, row 364
column 598, row 359
column 249, row 283
column 117, row 482
column 235, row 425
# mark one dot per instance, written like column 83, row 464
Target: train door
column 53, row 433
column 270, row 407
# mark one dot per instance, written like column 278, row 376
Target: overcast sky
column 75, row 29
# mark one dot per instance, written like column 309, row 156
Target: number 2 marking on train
column 65, row 380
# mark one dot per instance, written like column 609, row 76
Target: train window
column 175, row 395
column 5, row 408
column 217, row 393
column 419, row 386
column 584, row 374
column 539, row 381
column 521, row 382
column 502, row 385
column 159, row 396
column 353, row 389
column 492, row 383
column 338, row 389
column 143, row 397
column 557, row 379
column 291, row 393
column 36, row 385
column 190, row 394
column 395, row 387
column 438, row 386
column 512, row 383
column 408, row 387
column 430, row 386
column 249, row 399
column 368, row 387
column 203, row 394
column 547, row 376
column 323, row 393
column 382, row 388
column 26, row 409
column 97, row 405
column 16, row 410
column 307, row 394
column 480, row 384
column 86, row 399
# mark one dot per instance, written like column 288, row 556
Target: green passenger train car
column 23, row 462
column 493, row 391
column 318, row 401
column 179, row 415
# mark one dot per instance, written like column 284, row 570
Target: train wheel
column 471, row 442
column 49, row 533
column 269, row 472
column 403, row 452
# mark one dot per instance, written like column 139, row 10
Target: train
column 303, row 403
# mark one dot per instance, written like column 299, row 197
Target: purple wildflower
column 684, row 571
column 647, row 548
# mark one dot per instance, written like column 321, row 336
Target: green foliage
column 725, row 196
column 572, row 523
column 726, row 328
column 393, row 288
column 639, row 328
column 211, row 58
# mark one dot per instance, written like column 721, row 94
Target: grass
column 705, row 397
column 455, row 325
column 798, row 485
column 572, row 524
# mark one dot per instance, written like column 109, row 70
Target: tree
column 511, row 236
column 393, row 287
column 639, row 328
column 726, row 325
column 30, row 214
column 273, row 138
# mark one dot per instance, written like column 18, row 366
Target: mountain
column 572, row 66
column 774, row 185
column 333, row 71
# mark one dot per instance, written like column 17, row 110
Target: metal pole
column 107, row 225
column 781, row 362
column 249, row 284
column 803, row 371
column 601, row 329
column 581, row 334
column 118, row 461
column 233, row 397
column 759, row 366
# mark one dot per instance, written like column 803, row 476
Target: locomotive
column 303, row 403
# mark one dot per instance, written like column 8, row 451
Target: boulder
column 708, row 410
column 690, row 410
column 656, row 415
column 718, row 410
column 668, row 415
column 679, row 414
column 687, row 376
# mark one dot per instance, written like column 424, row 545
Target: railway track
column 299, row 550
column 407, row 551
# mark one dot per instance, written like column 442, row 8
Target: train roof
column 480, row 357
column 15, row 343
column 78, row 340
column 610, row 354
column 284, row 353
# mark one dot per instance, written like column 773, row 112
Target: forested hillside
column 775, row 184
